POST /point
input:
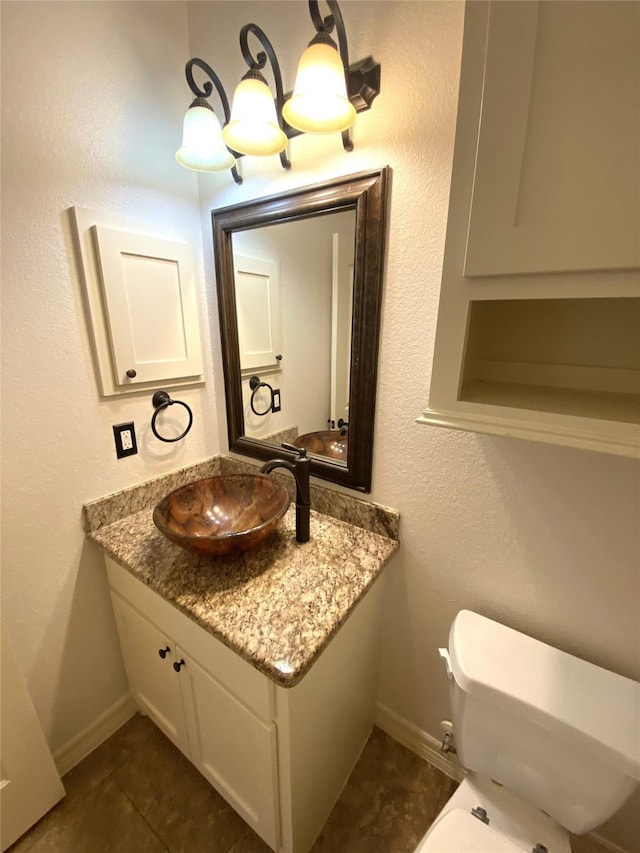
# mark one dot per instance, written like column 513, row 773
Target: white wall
column 92, row 100
column 541, row 537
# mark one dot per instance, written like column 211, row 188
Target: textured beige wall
column 91, row 101
column 542, row 538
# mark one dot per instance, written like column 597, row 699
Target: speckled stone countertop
column 277, row 606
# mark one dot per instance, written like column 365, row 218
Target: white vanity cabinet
column 280, row 756
column 213, row 705
column 539, row 320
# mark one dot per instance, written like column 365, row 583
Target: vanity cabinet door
column 153, row 681
column 229, row 744
column 232, row 747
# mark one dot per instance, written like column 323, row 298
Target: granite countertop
column 277, row 606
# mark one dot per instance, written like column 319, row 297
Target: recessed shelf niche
column 538, row 333
column 578, row 357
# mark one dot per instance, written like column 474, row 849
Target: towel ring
column 161, row 400
column 255, row 384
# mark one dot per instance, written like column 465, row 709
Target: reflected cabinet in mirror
column 299, row 281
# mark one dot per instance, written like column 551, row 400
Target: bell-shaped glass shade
column 319, row 103
column 203, row 148
column 253, row 127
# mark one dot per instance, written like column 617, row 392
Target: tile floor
column 138, row 794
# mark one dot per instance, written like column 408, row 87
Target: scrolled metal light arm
column 206, row 92
column 257, row 64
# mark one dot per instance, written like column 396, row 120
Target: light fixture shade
column 203, row 148
column 319, row 103
column 253, row 127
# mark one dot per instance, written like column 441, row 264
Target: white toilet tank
column 559, row 732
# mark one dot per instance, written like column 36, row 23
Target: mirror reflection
column 294, row 300
column 299, row 284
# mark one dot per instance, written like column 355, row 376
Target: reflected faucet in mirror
column 299, row 467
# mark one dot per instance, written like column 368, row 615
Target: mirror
column 299, row 294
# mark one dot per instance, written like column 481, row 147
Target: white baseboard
column 418, row 741
column 604, row 842
column 94, row 734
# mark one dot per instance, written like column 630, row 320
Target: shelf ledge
column 566, row 436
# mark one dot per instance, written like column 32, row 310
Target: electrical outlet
column 125, row 438
column 275, row 407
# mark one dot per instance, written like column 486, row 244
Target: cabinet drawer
column 240, row 678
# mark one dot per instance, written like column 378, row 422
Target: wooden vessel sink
column 222, row 515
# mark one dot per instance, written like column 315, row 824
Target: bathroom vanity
column 262, row 667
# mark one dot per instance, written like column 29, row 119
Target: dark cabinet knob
column 131, row 373
column 178, row 665
column 164, row 652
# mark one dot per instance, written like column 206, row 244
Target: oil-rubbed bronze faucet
column 299, row 467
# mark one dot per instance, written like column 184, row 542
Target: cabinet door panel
column 233, row 748
column 248, row 685
column 149, row 290
column 258, row 305
column 153, row 682
column 557, row 170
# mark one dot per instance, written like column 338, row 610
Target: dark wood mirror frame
column 367, row 194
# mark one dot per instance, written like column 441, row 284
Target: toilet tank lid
column 560, row 692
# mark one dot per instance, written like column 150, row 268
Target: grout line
column 137, row 810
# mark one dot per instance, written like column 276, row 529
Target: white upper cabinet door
column 258, row 307
column 556, row 185
column 151, row 307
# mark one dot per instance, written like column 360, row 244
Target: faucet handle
column 299, row 451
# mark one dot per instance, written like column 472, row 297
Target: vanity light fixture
column 256, row 125
column 327, row 95
column 203, row 148
column 319, row 103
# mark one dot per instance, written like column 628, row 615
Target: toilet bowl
column 551, row 743
column 512, row 826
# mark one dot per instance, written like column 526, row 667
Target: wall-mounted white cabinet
column 280, row 756
column 142, row 302
column 539, row 323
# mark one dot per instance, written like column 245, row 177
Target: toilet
column 550, row 743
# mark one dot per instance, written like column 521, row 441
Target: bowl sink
column 222, row 515
column 329, row 442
